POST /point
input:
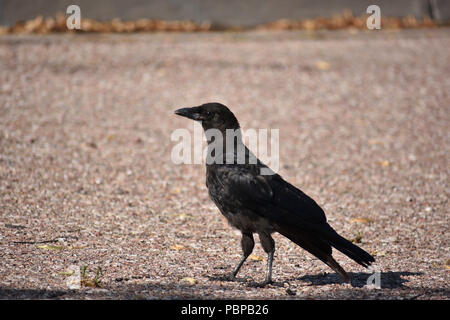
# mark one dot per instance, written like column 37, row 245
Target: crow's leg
column 247, row 244
column 268, row 245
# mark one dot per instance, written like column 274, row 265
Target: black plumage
column 264, row 204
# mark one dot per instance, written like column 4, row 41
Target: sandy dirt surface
column 86, row 176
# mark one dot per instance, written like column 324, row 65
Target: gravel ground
column 86, row 177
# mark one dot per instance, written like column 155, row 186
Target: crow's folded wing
column 252, row 190
column 293, row 214
column 274, row 198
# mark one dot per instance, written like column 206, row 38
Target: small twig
column 36, row 242
column 45, row 241
column 14, row 226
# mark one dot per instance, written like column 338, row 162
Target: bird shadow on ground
column 248, row 281
column 155, row 290
column 13, row 293
column 385, row 280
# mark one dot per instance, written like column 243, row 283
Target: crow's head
column 212, row 115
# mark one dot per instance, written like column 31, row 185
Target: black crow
column 264, row 203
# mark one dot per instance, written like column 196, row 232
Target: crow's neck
column 224, row 146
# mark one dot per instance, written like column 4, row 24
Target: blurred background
column 221, row 13
column 86, row 176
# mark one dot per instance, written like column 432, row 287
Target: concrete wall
column 222, row 12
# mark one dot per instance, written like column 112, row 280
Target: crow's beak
column 191, row 113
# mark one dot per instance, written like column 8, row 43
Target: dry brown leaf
column 89, row 283
column 255, row 257
column 177, row 247
column 189, row 280
column 357, row 238
column 175, row 190
column 375, row 141
column 323, row 65
column 447, row 264
column 384, row 163
column 361, row 220
column 46, row 25
column 182, row 216
column 378, row 253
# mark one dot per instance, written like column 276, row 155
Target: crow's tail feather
column 349, row 249
column 319, row 243
column 315, row 246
